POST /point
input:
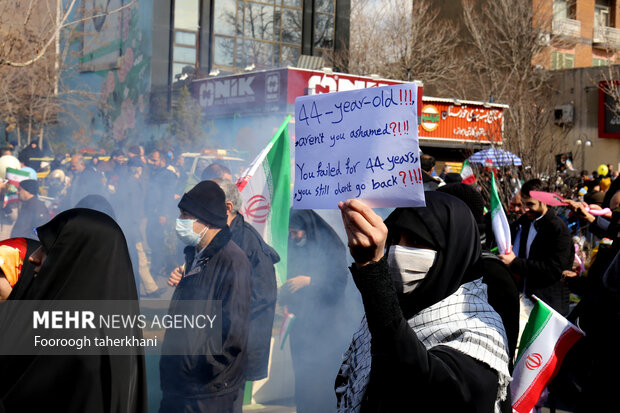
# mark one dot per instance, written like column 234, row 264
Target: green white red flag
column 14, row 176
column 546, row 339
column 499, row 221
column 285, row 327
column 266, row 193
column 467, row 173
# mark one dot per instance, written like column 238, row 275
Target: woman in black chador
column 430, row 341
column 314, row 292
column 83, row 256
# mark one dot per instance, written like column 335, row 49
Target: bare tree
column 256, row 26
column 502, row 49
column 489, row 51
column 399, row 39
column 44, row 33
column 35, row 39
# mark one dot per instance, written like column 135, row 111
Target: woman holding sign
column 429, row 340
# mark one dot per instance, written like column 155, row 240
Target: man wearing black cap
column 215, row 269
column 32, row 211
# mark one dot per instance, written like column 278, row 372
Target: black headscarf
column 322, row 257
column 87, row 259
column 323, row 247
column 317, row 230
column 447, row 225
column 98, row 203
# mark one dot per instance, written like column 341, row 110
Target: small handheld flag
column 285, row 327
column 467, row 173
column 501, row 229
column 546, row 339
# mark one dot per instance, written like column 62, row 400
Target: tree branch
column 126, row 6
column 62, row 25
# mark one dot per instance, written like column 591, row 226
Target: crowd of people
column 562, row 254
column 441, row 311
column 138, row 189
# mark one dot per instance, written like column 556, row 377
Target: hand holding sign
column 358, row 144
column 366, row 231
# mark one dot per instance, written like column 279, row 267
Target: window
column 225, row 17
column 258, row 21
column 601, row 15
column 601, row 62
column 224, row 51
column 563, row 9
column 263, row 33
column 290, row 26
column 324, row 20
column 561, row 60
column 560, row 9
column 185, row 36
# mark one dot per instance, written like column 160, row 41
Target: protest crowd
column 441, row 306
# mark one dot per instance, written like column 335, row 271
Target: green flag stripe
column 538, row 321
column 495, row 202
column 279, row 180
column 17, row 172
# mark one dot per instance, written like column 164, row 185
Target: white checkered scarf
column 464, row 321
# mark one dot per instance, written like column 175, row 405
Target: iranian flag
column 14, row 176
column 285, row 327
column 266, row 193
column 499, row 222
column 545, row 341
column 467, row 174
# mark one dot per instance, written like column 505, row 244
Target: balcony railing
column 566, row 27
column 606, row 36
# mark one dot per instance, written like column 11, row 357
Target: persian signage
column 275, row 91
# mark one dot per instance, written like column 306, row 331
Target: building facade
column 579, row 33
column 134, row 60
column 228, row 36
column 590, row 122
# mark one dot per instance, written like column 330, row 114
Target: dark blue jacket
column 551, row 253
column 264, row 295
column 222, row 272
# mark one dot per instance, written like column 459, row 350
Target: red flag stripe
column 469, row 180
column 548, row 372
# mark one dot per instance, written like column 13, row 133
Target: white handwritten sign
column 358, row 144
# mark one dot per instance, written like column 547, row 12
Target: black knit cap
column 30, row 185
column 207, row 202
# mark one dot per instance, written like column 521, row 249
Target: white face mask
column 185, row 232
column 409, row 265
